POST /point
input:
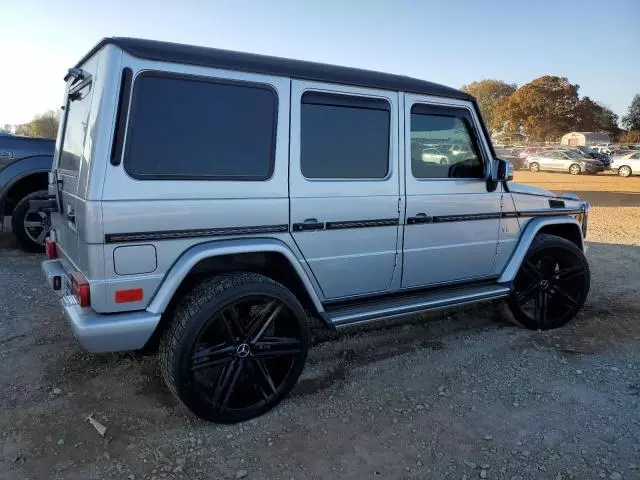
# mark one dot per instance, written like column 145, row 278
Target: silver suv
column 210, row 202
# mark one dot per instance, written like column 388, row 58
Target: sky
column 595, row 44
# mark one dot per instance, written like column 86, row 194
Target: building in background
column 575, row 139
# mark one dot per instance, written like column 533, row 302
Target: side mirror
column 505, row 170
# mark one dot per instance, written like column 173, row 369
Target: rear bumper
column 100, row 332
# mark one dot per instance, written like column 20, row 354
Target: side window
column 449, row 132
column 75, row 130
column 184, row 127
column 344, row 137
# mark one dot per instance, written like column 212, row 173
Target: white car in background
column 627, row 164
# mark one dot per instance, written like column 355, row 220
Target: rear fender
column 183, row 266
column 533, row 227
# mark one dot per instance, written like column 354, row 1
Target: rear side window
column 75, row 130
column 184, row 127
column 344, row 137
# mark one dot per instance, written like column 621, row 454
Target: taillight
column 50, row 248
column 80, row 289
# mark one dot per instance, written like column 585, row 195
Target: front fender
column 191, row 257
column 22, row 168
column 530, row 231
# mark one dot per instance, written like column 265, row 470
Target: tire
column 574, row 169
column 22, row 217
column 534, row 167
column 624, row 171
column 236, row 346
column 554, row 275
column 443, row 161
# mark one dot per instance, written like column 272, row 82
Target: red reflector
column 132, row 295
column 80, row 288
column 50, row 248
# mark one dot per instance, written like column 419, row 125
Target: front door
column 344, row 186
column 452, row 220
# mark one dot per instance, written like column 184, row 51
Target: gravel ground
column 458, row 395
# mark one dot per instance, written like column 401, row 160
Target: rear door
column 70, row 158
column 344, row 185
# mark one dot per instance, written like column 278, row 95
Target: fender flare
column 526, row 238
column 19, row 169
column 181, row 268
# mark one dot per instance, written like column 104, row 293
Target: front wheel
column 31, row 227
column 574, row 169
column 443, row 161
column 534, row 167
column 552, row 284
column 624, row 171
column 236, row 346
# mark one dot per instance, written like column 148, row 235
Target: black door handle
column 419, row 218
column 308, row 224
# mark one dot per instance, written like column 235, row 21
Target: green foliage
column 631, row 120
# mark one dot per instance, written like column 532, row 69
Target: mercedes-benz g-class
column 212, row 202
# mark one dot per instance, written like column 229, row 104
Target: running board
column 412, row 304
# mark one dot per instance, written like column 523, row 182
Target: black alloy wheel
column 552, row 284
column 236, row 348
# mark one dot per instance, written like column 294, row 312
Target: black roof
column 249, row 62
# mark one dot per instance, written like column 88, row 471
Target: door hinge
column 399, row 204
column 395, row 261
column 498, row 248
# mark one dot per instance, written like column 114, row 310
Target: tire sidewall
column 199, row 319
column 17, row 222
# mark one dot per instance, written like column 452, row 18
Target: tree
column 45, row 125
column 543, row 109
column 490, row 95
column 631, row 120
column 630, row 137
column 593, row 117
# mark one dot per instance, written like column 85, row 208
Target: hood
column 529, row 190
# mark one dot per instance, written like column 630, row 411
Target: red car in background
column 529, row 151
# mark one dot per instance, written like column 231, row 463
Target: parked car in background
column 627, row 164
column 24, row 166
column 563, row 161
column 319, row 216
column 510, row 155
column 591, row 153
column 434, row 155
column 527, row 151
column 603, row 149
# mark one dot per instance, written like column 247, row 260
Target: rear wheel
column 235, row 348
column 29, row 226
column 574, row 169
column 624, row 171
column 534, row 167
column 552, row 284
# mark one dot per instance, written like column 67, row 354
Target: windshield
column 75, row 130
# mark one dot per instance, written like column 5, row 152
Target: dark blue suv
column 24, row 166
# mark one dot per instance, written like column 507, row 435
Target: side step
column 411, row 304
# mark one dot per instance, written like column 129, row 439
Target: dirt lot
column 457, row 395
